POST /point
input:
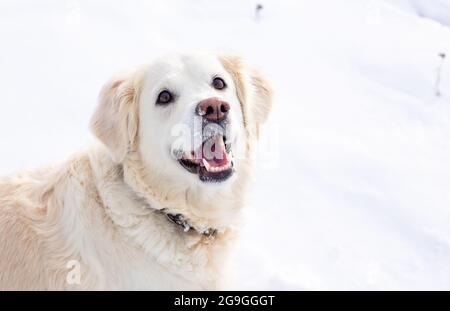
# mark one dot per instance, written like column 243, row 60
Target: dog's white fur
column 101, row 208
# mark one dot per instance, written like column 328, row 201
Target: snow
column 352, row 183
column 438, row 10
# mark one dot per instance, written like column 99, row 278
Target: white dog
column 155, row 206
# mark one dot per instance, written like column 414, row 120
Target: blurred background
column 355, row 191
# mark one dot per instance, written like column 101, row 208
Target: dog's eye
column 218, row 83
column 164, row 98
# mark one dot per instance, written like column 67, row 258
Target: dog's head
column 190, row 117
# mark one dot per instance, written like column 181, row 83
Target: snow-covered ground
column 353, row 186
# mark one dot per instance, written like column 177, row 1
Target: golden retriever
column 155, row 205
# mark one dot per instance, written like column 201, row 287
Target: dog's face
column 187, row 115
column 191, row 120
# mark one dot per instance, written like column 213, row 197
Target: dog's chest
column 135, row 270
column 147, row 257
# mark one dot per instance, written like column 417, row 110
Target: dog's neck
column 183, row 209
column 192, row 214
column 174, row 218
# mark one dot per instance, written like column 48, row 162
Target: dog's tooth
column 215, row 169
column 206, row 164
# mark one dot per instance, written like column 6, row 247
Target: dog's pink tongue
column 219, row 154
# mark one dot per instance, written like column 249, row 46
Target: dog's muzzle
column 212, row 161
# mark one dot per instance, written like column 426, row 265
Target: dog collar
column 183, row 223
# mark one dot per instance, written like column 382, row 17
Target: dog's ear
column 251, row 87
column 115, row 121
column 263, row 95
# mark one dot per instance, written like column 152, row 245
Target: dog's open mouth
column 212, row 162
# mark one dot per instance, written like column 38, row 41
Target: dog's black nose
column 213, row 109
